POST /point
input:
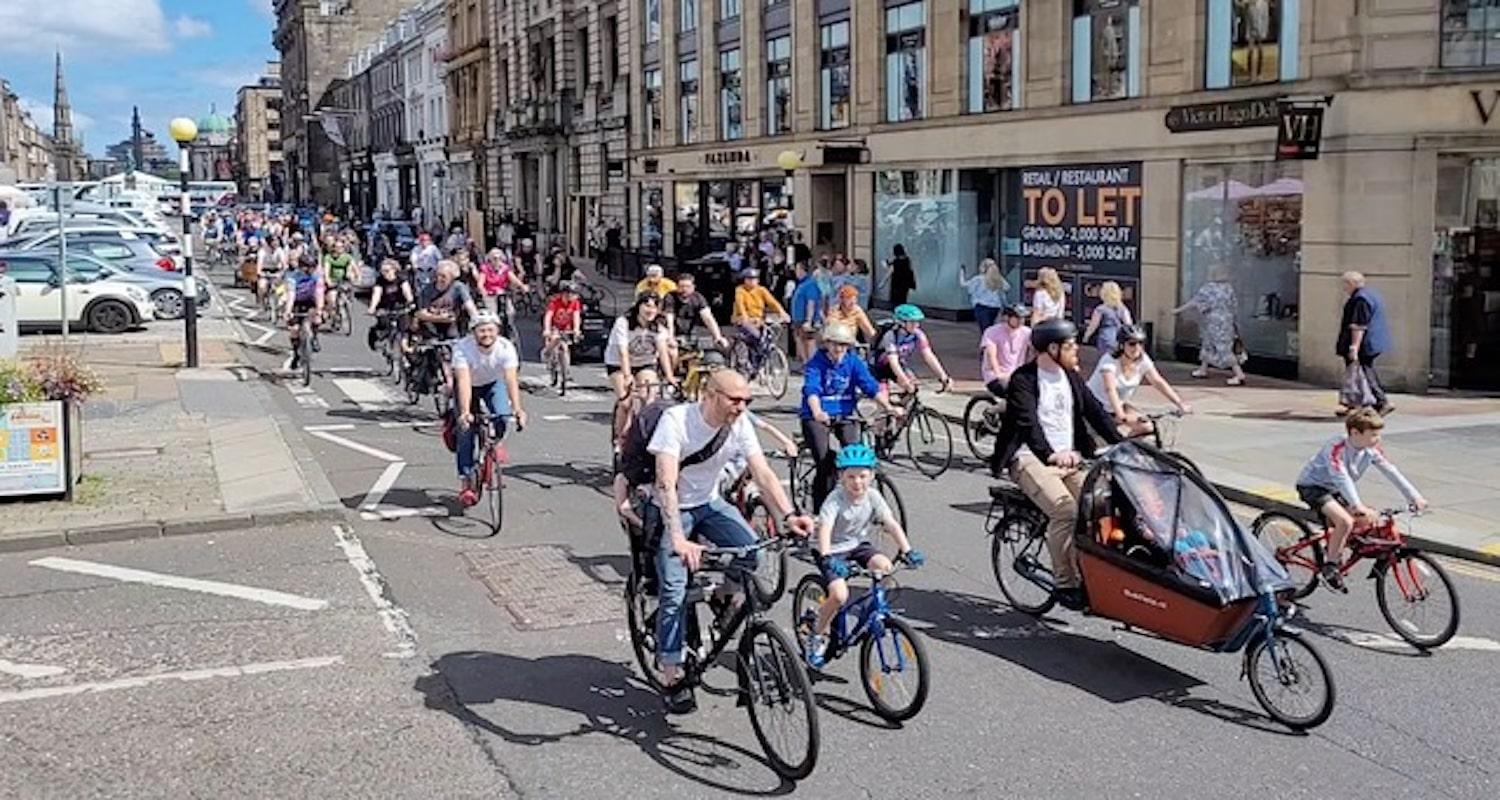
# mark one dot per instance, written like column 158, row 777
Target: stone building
column 257, row 119
column 213, row 155
column 391, row 154
column 424, row 54
column 25, row 150
column 1145, row 143
column 469, row 110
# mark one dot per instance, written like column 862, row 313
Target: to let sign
column 1082, row 218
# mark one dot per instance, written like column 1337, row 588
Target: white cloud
column 41, row 114
column 192, row 27
column 227, row 76
column 266, row 8
column 82, row 26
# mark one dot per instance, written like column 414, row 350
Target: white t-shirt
column 1124, row 384
column 642, row 344
column 1054, row 409
column 851, row 521
column 485, row 368
column 681, row 432
column 1043, row 304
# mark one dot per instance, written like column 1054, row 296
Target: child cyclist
column 1327, row 484
column 844, row 524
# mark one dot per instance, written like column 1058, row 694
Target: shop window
column 1242, row 225
column 923, row 211
column 686, row 207
column 731, row 103
column 687, row 15
column 687, row 75
column 779, row 85
column 905, row 62
column 833, row 99
column 651, row 232
column 729, row 9
column 653, row 107
column 720, row 210
column 1466, row 274
column 1106, row 49
column 653, row 20
column 1471, row 33
column 776, row 204
column 994, row 55
column 1251, row 41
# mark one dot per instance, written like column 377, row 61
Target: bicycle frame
column 869, row 611
column 748, row 610
column 1380, row 550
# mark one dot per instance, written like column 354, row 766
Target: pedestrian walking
column 1363, row 337
column 1048, row 301
column 1219, row 346
column 986, row 289
column 1108, row 318
column 903, row 277
column 807, row 313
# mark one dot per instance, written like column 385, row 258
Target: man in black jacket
column 1044, row 440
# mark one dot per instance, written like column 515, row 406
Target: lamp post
column 790, row 161
column 184, row 131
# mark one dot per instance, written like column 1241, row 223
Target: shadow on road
column 550, row 475
column 605, row 702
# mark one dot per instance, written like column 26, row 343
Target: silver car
column 164, row 288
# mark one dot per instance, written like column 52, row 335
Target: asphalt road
column 453, row 665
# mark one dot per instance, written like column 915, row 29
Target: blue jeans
column 497, row 403
column 721, row 524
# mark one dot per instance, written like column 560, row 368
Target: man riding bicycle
column 484, row 375
column 304, row 296
column 832, row 382
column 337, row 266
column 445, row 305
column 751, row 303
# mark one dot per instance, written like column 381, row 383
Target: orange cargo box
column 1118, row 592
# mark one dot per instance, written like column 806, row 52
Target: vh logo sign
column 1485, row 102
column 1299, row 132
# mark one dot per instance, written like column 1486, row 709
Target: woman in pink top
column 498, row 277
column 1005, row 346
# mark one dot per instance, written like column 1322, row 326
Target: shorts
column 861, row 555
column 1317, row 496
column 611, row 369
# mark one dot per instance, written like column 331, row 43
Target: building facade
column 469, row 81
column 424, row 55
column 25, row 150
column 561, row 118
column 257, row 119
column 1110, row 139
column 391, row 155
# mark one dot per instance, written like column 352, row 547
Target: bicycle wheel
column 892, row 497
column 640, row 616
column 1019, row 555
column 494, row 486
column 810, row 593
column 774, row 373
column 929, row 443
column 739, row 357
column 1290, row 680
column 1285, row 535
column 304, row 352
column 770, row 570
column 780, row 700
column 346, row 319
column 1423, row 608
column 800, row 471
column 564, row 366
column 894, row 671
column 979, row 430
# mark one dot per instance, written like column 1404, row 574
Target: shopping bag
column 1355, row 391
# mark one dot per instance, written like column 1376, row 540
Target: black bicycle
column 427, row 373
column 391, row 323
column 928, row 437
column 982, row 418
column 802, row 468
column 773, row 683
column 306, row 333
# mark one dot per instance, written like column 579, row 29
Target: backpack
column 877, row 344
column 638, row 464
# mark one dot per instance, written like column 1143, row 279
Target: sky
column 170, row 57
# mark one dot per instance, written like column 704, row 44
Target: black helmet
column 713, row 359
column 1016, row 310
column 1053, row 331
column 1132, row 333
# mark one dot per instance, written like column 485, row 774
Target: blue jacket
column 837, row 386
column 1378, row 334
column 807, row 292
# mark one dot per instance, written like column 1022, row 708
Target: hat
column 654, row 271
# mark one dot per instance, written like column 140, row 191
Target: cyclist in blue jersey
column 832, row 382
column 895, row 346
column 304, row 295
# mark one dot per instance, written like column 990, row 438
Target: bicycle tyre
column 1384, row 576
column 564, row 365
column 1278, row 531
column 304, row 352
column 785, row 684
column 931, row 429
column 977, row 432
column 1290, row 642
column 799, row 473
column 896, row 630
column 769, row 578
column 495, row 486
column 810, row 593
column 640, row 618
column 1030, row 532
column 887, row 488
column 775, row 372
column 346, row 319
column 739, row 357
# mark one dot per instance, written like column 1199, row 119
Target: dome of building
column 214, row 123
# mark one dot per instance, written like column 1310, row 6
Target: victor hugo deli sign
column 1224, row 115
column 1082, row 218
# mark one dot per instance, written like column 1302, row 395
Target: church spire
column 64, row 148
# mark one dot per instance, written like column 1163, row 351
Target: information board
column 31, row 454
column 1081, row 218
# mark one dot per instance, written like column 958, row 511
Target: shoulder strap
column 708, row 450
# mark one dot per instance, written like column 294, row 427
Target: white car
column 102, row 305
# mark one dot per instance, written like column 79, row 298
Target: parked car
column 96, row 302
column 166, row 244
column 403, row 237
column 127, row 251
column 165, row 288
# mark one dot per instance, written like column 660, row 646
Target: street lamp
column 184, row 131
column 789, row 161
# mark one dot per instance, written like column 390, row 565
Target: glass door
column 1466, row 275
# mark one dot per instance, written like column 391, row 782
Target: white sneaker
column 816, row 648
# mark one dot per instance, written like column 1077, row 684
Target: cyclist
column 1004, row 347
column 686, row 310
column 270, row 262
column 656, row 282
column 424, row 260
column 1119, row 373
column 637, row 345
column 807, row 312
column 498, row 277
column 304, row 295
column 845, row 309
column 337, row 266
column 390, row 293
column 1044, row 440
column 563, row 319
column 688, row 505
column 893, row 349
column 844, row 523
column 485, row 369
column 832, row 382
column 1326, row 483
column 751, row 302
column 445, row 306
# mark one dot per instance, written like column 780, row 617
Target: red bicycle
column 489, row 475
column 1414, row 592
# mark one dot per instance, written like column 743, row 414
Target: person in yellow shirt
column 751, row 304
column 846, row 311
column 655, row 282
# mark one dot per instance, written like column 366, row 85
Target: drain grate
column 541, row 588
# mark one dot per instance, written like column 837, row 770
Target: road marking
column 365, row 393
column 382, row 485
column 1483, row 573
column 1390, row 641
column 243, row 670
column 127, row 575
column 393, row 617
column 578, row 396
column 335, row 426
column 356, row 446
column 30, row 670
column 388, row 514
column 556, row 417
column 266, row 333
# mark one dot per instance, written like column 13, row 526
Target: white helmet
column 485, row 317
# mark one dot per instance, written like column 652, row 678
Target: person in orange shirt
column 751, row 304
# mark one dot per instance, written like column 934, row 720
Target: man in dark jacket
column 1044, row 441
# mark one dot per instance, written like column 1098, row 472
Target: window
column 687, row 15
column 905, row 60
column 581, row 37
column 1251, row 41
column 110, row 251
column 687, row 75
column 611, row 52
column 994, row 55
column 833, row 108
column 731, row 111
column 729, row 9
column 779, row 85
column 1471, row 33
column 1106, row 49
column 651, row 217
column 653, row 107
column 653, row 21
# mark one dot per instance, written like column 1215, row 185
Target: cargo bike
column 1161, row 553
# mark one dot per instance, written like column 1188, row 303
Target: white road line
column 581, row 397
column 336, row 426
column 29, row 670
column 128, row 575
column 356, row 446
column 416, row 423
column 365, row 393
column 556, row 417
column 1390, row 641
column 243, row 670
column 382, row 485
column 392, row 616
column 388, row 514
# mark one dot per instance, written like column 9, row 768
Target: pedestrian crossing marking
column 365, row 393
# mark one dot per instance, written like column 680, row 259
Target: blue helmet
column 906, row 312
column 856, row 456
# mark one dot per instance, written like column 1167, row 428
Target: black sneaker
column 679, row 698
column 1071, row 599
column 1332, row 578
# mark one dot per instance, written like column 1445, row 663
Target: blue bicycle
column 893, row 666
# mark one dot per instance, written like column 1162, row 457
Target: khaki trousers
column 1054, row 490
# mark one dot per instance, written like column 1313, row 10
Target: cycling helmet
column 568, row 287
column 485, row 317
column 1053, row 331
column 1016, row 310
column 713, row 359
column 307, row 261
column 838, row 333
column 855, row 456
column 906, row 312
column 1132, row 333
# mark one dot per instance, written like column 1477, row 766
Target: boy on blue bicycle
column 844, row 524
